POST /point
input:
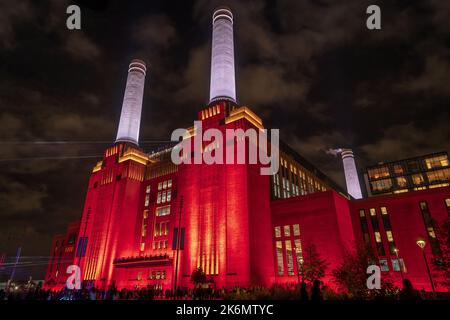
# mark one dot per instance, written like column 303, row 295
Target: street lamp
column 399, row 263
column 421, row 243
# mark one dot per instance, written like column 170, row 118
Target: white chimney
column 222, row 84
column 351, row 174
column 130, row 118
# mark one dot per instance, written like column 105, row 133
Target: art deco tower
column 130, row 118
column 222, row 84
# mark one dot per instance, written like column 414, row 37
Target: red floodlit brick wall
column 407, row 226
column 325, row 222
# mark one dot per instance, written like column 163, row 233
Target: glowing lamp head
column 421, row 243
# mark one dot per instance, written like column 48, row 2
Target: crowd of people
column 299, row 292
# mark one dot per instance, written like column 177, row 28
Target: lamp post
column 399, row 264
column 421, row 243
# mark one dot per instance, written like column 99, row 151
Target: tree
column 351, row 275
column 442, row 262
column 198, row 277
column 313, row 267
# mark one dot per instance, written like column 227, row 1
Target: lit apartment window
column 296, row 229
column 169, row 183
column 144, row 230
column 142, row 246
column 277, row 232
column 447, row 203
column 163, row 197
column 145, row 214
column 160, row 186
column 147, row 189
column 162, row 211
column 169, row 196
column 165, row 185
column 139, row 276
column 287, row 231
column 289, row 259
column 280, row 262
column 147, row 200
column 437, row 162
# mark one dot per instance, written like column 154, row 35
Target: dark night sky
column 310, row 68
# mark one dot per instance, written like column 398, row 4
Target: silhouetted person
column 408, row 292
column 316, row 293
column 303, row 292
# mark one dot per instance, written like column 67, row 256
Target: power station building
column 149, row 222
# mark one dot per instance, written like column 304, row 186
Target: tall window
column 376, row 229
column 387, row 227
column 280, row 262
column 287, row 231
column 429, row 226
column 289, row 259
column 447, row 203
column 364, row 226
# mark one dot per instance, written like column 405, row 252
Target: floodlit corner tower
column 130, row 117
column 351, row 174
column 223, row 84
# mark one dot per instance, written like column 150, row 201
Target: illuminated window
column 377, row 237
column 164, row 185
column 163, row 197
column 398, row 169
column 144, row 230
column 289, row 259
column 158, row 200
column 397, row 264
column 438, row 175
column 431, row 232
column 384, row 266
column 142, row 246
column 280, row 262
column 162, row 211
column 147, row 189
column 298, row 254
column 379, row 172
column 287, row 231
column 429, row 225
column 389, row 236
column 169, row 183
column 296, row 230
column 401, row 182
column 277, row 232
column 160, row 186
column 169, row 196
column 145, row 214
column 383, row 210
column 139, row 276
column 147, row 200
column 447, row 203
column 373, row 212
column 437, row 162
column 362, row 213
column 418, row 179
column 156, row 233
